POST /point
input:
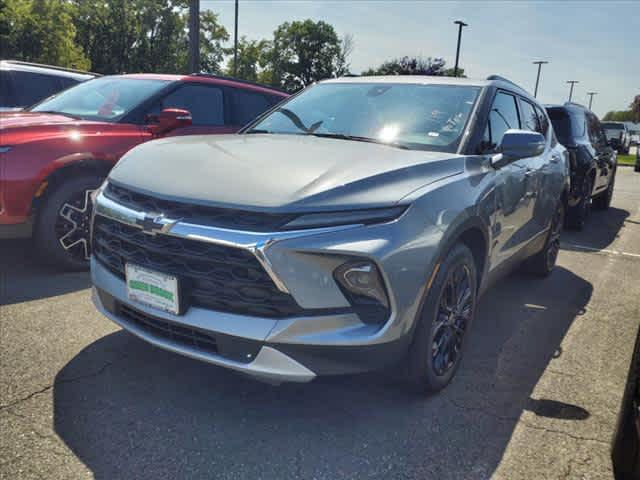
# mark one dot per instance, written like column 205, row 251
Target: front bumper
column 332, row 340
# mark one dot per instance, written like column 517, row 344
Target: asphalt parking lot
column 537, row 395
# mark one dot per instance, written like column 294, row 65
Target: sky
column 594, row 42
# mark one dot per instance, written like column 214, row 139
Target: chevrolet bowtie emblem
column 153, row 224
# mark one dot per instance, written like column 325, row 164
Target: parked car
column 637, row 166
column 635, row 137
column 593, row 162
column 625, row 453
column 618, row 136
column 22, row 83
column 54, row 155
column 349, row 228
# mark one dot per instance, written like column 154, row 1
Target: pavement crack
column 562, row 432
column 63, row 381
column 482, row 410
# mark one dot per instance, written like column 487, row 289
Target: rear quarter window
column 246, row 105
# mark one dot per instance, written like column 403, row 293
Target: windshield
column 421, row 117
column 612, row 126
column 106, row 99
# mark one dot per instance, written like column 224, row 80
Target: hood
column 280, row 172
column 22, row 127
column 29, row 119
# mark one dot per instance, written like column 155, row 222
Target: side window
column 6, row 97
column 67, row 82
column 247, row 105
column 543, row 122
column 502, row 117
column 595, row 129
column 529, row 117
column 33, row 87
column 206, row 103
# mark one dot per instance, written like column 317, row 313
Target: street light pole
column 235, row 44
column 539, row 63
column 591, row 94
column 460, row 24
column 572, row 82
column 194, row 36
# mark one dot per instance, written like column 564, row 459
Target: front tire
column 443, row 322
column 62, row 226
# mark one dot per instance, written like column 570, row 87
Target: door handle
column 529, row 172
column 555, row 159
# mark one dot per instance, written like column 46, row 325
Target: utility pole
column 539, row 63
column 572, row 82
column 591, row 94
column 460, row 24
column 235, row 44
column 194, row 36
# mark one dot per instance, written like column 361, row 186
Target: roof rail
column 233, row 79
column 51, row 67
column 503, row 79
column 576, row 104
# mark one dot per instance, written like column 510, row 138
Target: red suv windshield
column 106, row 99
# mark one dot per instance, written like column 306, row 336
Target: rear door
column 602, row 153
column 545, row 179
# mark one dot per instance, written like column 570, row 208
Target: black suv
column 593, row 161
column 23, row 84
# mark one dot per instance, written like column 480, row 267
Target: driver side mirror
column 518, row 144
column 170, row 119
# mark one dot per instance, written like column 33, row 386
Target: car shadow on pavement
column 129, row 410
column 23, row 276
column 601, row 229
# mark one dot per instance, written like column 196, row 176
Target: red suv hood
column 29, row 119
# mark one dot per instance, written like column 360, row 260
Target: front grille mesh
column 219, row 217
column 171, row 331
column 215, row 277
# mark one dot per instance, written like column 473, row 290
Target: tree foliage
column 413, row 66
column 253, row 60
column 108, row 36
column 635, row 108
column 303, row 52
column 40, row 31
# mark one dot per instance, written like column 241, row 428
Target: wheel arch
column 65, row 168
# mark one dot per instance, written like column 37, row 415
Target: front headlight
column 353, row 217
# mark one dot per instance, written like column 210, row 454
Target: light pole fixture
column 235, row 44
column 572, row 82
column 460, row 24
column 591, row 94
column 539, row 63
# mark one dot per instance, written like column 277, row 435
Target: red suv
column 55, row 154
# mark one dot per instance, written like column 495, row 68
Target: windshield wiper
column 75, row 117
column 258, row 130
column 355, row 138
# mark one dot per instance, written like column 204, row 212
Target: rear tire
column 62, row 226
column 443, row 323
column 543, row 262
column 577, row 216
column 603, row 201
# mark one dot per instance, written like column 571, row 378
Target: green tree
column 635, row 108
column 411, row 66
column 145, row 36
column 253, row 60
column 620, row 116
column 304, row 52
column 40, row 31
